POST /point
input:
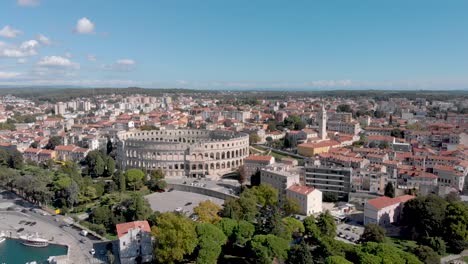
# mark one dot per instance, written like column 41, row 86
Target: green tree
column 134, row 178
column 110, row 167
column 299, row 254
column 242, row 208
column 311, row 230
column 122, row 183
column 175, row 237
column 53, row 142
column 109, row 146
column 373, row 233
column 436, row 243
column 269, row 222
column 327, row 225
column 228, row 226
column 452, row 197
column 243, row 232
column 271, row 126
column 291, row 206
column 138, row 208
column 424, row 216
column 344, row 108
column 267, row 248
column 456, row 224
column 156, row 181
column 207, row 212
column 254, row 139
column 372, row 252
column 210, row 241
column 266, row 194
column 293, row 227
column 427, row 255
column 15, row 160
column 389, row 190
column 337, row 260
column 99, row 167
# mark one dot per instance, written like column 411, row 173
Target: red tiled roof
column 123, row 228
column 322, row 144
column 65, row 147
column 384, row 201
column 302, row 189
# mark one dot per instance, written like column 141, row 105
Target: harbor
column 14, row 251
column 19, row 219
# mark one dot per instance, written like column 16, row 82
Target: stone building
column 183, row 152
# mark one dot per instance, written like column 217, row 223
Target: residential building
column 312, row 149
column 252, row 164
column 135, row 244
column 280, row 177
column 329, row 179
column 385, row 210
column 308, row 198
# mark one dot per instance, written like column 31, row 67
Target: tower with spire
column 322, row 120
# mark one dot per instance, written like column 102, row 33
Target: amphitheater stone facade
column 183, row 152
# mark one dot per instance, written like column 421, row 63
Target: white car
column 92, row 251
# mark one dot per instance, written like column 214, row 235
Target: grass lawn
column 111, row 237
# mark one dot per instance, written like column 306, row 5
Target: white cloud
column 84, row 26
column 120, row 65
column 68, row 55
column 126, row 62
column 58, row 62
column 25, row 49
column 29, row 44
column 43, row 40
column 182, row 82
column 21, row 61
column 28, row 2
column 8, row 75
column 9, row 32
column 91, row 57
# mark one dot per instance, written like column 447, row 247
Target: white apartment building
column 308, row 198
column 351, row 128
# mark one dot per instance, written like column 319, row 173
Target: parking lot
column 183, row 202
column 349, row 233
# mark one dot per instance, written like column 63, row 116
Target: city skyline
column 234, row 45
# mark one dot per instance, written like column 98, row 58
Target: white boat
column 33, row 241
column 2, row 239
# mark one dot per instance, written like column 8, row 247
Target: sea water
column 13, row 252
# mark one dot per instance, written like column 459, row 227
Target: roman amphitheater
column 184, row 152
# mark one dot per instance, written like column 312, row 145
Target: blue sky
column 246, row 44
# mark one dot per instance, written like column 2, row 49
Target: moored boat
column 33, row 241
